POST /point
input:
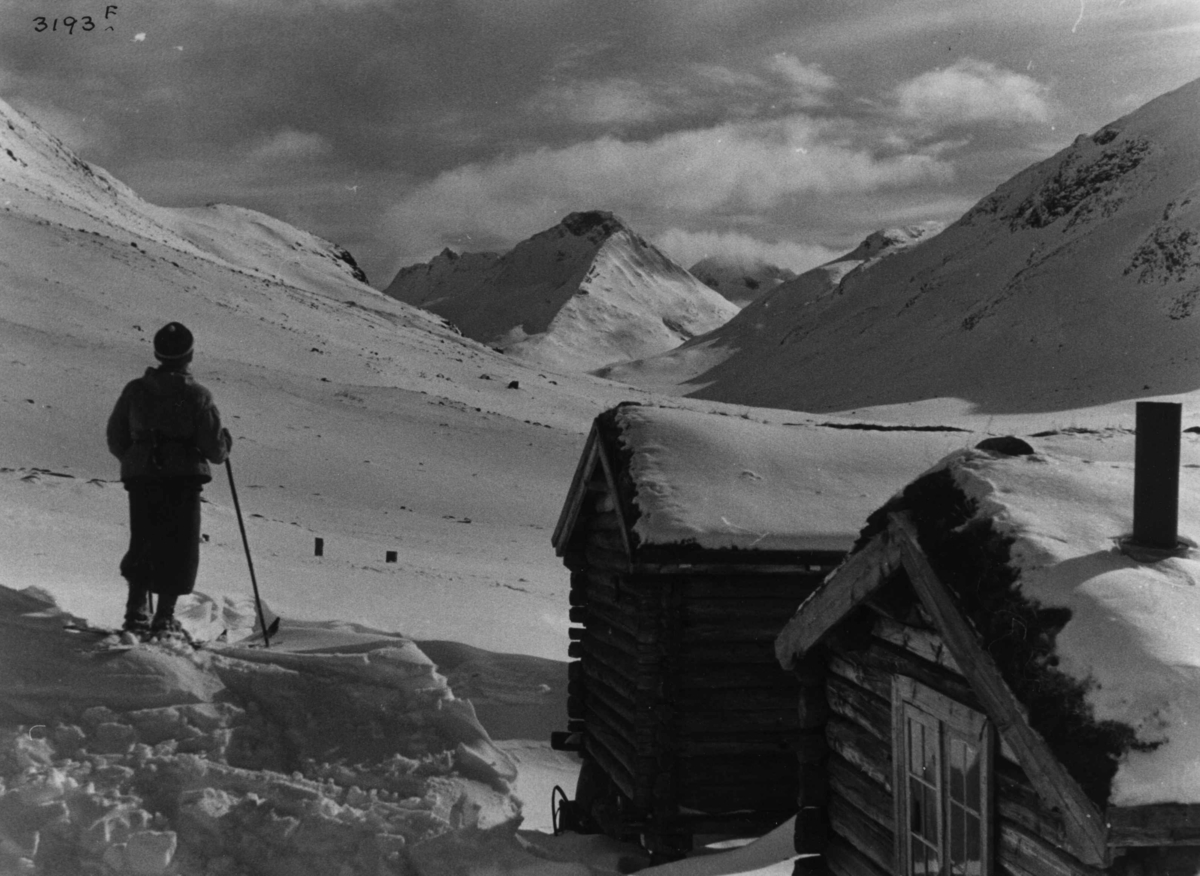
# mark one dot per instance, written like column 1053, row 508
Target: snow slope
column 740, row 280
column 1074, row 283
column 584, row 293
column 766, row 322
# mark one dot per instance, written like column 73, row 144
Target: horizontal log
column 857, row 704
column 620, row 592
column 695, row 772
column 603, row 502
column 788, row 588
column 626, row 656
column 843, row 860
column 738, row 798
column 926, row 644
column 691, row 723
column 689, row 746
column 726, row 653
column 897, row 661
column 861, row 831
column 612, row 766
column 853, row 669
column 616, row 637
column 860, row 748
column 619, row 675
column 736, row 699
column 619, row 718
column 605, row 618
column 1017, row 801
column 732, row 629
column 1024, row 854
column 781, row 735
column 754, row 675
column 868, row 796
column 603, row 558
column 754, row 611
column 1164, row 824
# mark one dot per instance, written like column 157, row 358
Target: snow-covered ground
column 359, row 420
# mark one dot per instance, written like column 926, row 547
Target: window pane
column 916, row 747
column 916, row 807
column 931, row 759
column 974, row 778
column 958, row 839
column 931, row 819
column 974, row 847
column 957, row 769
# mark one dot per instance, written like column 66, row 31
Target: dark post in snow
column 319, row 547
column 1156, row 475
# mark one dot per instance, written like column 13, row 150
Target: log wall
column 675, row 684
column 1029, row 838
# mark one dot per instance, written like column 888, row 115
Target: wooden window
column 942, row 753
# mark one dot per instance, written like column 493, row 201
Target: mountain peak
column 593, row 223
column 583, row 293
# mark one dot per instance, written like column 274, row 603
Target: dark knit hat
column 172, row 342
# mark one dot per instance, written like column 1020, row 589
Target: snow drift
column 156, row 758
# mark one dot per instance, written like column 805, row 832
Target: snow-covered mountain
column 767, row 320
column 46, row 178
column 587, row 292
column 740, row 280
column 1076, row 282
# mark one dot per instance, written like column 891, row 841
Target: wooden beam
column 1085, row 827
column 576, row 494
column 837, row 596
column 610, row 475
column 1163, row 824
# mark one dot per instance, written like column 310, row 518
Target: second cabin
column 1002, row 679
column 691, row 538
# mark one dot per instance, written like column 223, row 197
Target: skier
column 166, row 430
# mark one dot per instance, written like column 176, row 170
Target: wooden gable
column 1091, row 836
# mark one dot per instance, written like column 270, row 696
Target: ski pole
column 262, row 621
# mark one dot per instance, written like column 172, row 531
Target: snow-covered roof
column 723, row 482
column 1134, row 631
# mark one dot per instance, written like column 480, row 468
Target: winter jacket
column 165, row 425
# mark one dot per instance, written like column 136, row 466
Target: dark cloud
column 396, row 127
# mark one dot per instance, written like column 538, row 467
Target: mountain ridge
column 585, row 292
column 1074, row 283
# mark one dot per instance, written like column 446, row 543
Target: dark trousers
column 164, row 545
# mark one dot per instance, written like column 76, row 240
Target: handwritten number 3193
column 41, row 24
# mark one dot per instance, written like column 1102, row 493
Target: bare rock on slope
column 584, row 293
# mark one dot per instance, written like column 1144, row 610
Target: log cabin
column 1002, row 679
column 690, row 538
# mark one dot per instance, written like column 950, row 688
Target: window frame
column 953, row 720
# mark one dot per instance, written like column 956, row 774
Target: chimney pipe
column 1156, row 476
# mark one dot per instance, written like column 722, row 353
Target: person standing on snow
column 166, row 430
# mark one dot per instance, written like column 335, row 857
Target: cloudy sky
column 784, row 128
